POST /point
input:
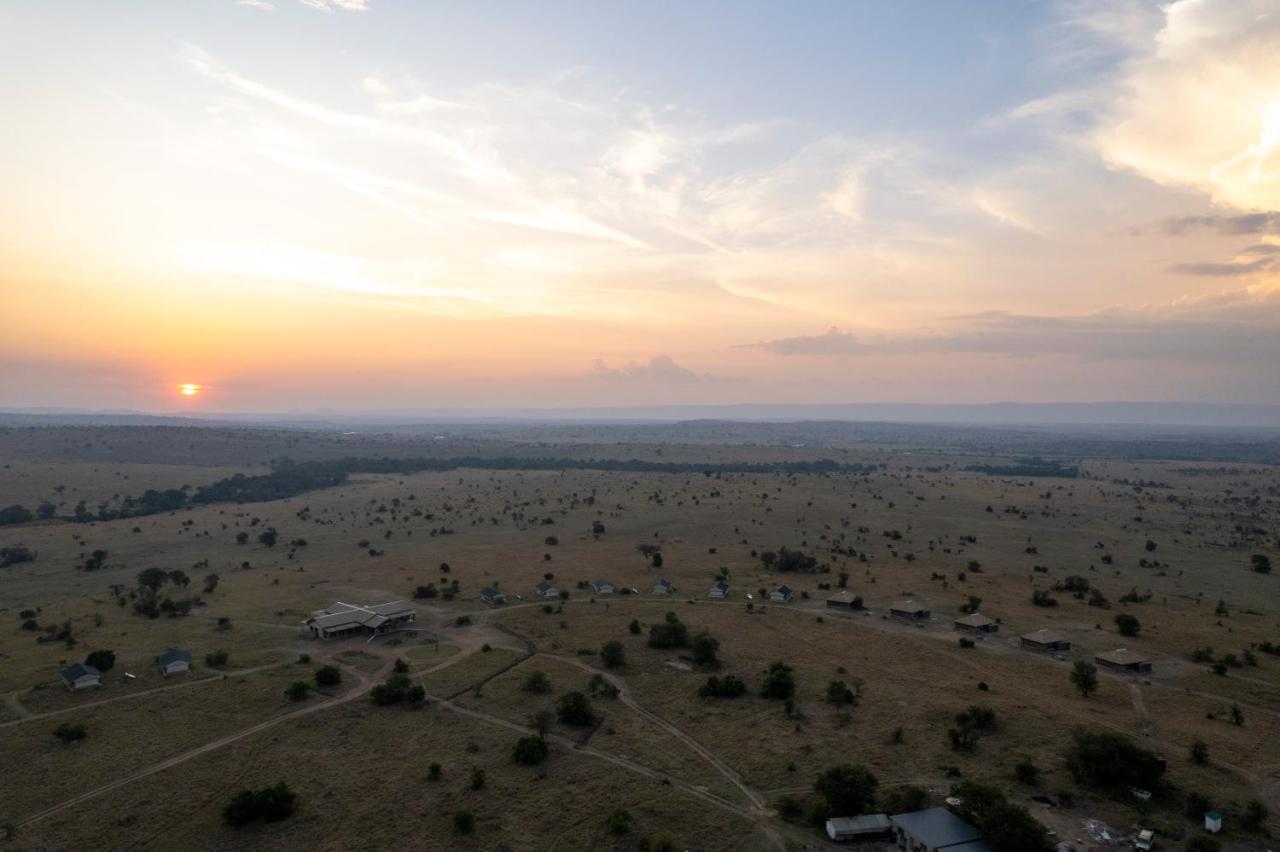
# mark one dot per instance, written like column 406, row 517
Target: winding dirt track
column 364, row 686
column 33, row 717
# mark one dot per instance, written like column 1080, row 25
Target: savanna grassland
column 1177, row 542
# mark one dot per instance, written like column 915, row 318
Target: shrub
column 1254, row 817
column 270, row 804
column 464, row 822
column 1196, row 804
column 706, row 649
column 574, row 708
column 70, row 733
column 1027, row 773
column 103, row 661
column 612, row 654
column 298, row 690
column 1005, row 826
column 619, row 822
column 328, row 676
column 670, row 633
column 846, row 789
column 897, row 800
column 1199, row 753
column 1261, row 563
column 634, row 627
column 530, row 751
column 1110, row 760
column 1203, row 843
column 433, row 772
column 477, row 779
column 1042, row 598
column 779, row 682
column 216, row 660
column 727, row 687
column 1127, row 624
column 537, row 682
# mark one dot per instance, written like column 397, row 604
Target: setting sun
column 188, row 390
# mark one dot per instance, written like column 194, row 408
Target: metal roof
column 1044, row 636
column 975, row 619
column 938, row 827
column 1121, row 657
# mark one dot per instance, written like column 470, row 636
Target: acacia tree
column 1084, row 676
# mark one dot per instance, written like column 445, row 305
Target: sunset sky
column 386, row 204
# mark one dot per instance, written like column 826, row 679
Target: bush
column 1203, row 843
column 727, row 687
column 530, row 751
column 619, row 822
column 574, row 708
column 70, row 733
column 897, row 800
column 1254, row 817
column 433, row 772
column 1084, row 676
column 1027, row 773
column 464, row 822
column 1112, row 761
column 298, row 690
column 779, row 682
column 1196, row 805
column 634, row 627
column 1005, row 826
column 477, row 779
column 1127, row 624
column 847, row 789
column 670, row 633
column 1199, row 753
column 270, row 804
column 1041, row 598
column 1261, row 563
column 103, row 661
column 328, row 676
column 612, row 654
column 216, row 660
column 705, row 650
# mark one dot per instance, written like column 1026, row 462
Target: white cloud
column 1200, row 106
column 330, row 5
column 661, row 369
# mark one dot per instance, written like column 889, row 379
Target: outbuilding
column 546, row 589
column 663, row 587
column 1124, row 660
column 174, row 662
column 492, row 596
column 935, row 830
column 719, row 590
column 782, row 594
column 843, row 599
column 602, row 587
column 78, row 676
column 1049, row 641
column 909, row 611
column 1212, row 822
column 976, row 622
column 865, row 827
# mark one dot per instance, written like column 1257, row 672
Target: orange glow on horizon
column 189, row 390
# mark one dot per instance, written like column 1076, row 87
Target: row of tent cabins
column 78, row 676
column 928, row 830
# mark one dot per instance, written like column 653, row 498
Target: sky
column 297, row 205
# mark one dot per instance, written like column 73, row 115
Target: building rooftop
column 75, row 671
column 1122, row 657
column 975, row 619
column 908, row 606
column 341, row 614
column 173, row 655
column 1044, row 636
column 936, row 827
column 865, row 824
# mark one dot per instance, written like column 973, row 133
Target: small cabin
column 909, row 611
column 976, row 622
column 492, row 596
column 719, row 590
column 1049, row 641
column 842, row 599
column 663, row 587
column 78, row 676
column 1124, row 660
column 782, row 594
column 602, row 587
column 174, row 662
column 546, row 589
column 865, row 828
